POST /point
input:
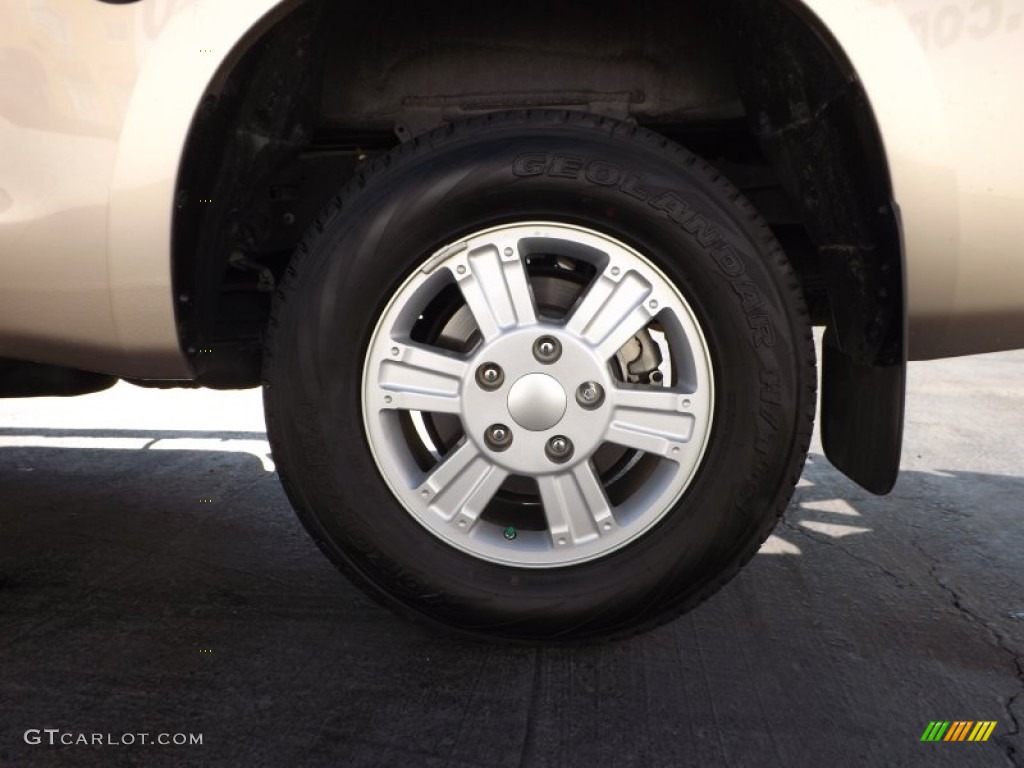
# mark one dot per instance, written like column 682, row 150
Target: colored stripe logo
column 959, row 730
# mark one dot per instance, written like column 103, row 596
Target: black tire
column 464, row 178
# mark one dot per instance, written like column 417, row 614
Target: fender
column 954, row 168
column 808, row 107
column 193, row 44
column 942, row 80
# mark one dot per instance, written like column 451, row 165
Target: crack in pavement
column 529, row 736
column 853, row 555
column 1001, row 642
column 1011, row 750
column 1014, row 758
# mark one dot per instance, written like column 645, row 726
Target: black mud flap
column 862, row 417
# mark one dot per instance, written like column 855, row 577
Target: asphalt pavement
column 153, row 580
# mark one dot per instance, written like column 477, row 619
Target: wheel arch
column 195, row 43
column 814, row 119
column 805, row 106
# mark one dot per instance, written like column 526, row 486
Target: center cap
column 536, row 402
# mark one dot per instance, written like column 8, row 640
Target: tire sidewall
column 665, row 204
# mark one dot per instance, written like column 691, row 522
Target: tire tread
column 430, row 141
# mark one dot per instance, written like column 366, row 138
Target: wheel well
column 758, row 87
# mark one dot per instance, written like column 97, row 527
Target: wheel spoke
column 612, row 312
column 460, row 487
column 418, row 379
column 576, row 506
column 655, row 421
column 497, row 290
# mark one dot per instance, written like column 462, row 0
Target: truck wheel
column 541, row 375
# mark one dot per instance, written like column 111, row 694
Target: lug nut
column 590, row 395
column 490, row 376
column 498, row 437
column 547, row 349
column 559, row 449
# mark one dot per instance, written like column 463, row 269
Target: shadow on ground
column 148, row 587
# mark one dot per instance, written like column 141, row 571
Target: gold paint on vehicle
column 96, row 101
column 95, row 105
column 943, row 79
